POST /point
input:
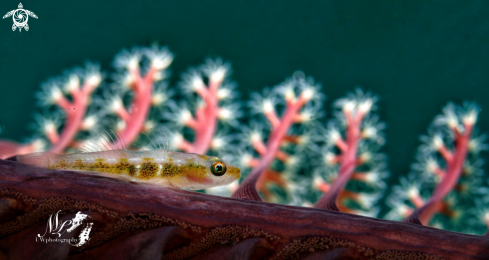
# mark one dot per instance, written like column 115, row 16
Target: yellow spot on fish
column 61, row 164
column 78, row 165
column 123, row 167
column 170, row 170
column 148, row 170
column 99, row 166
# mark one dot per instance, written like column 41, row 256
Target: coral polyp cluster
column 280, row 134
column 357, row 171
column 447, row 175
column 67, row 98
column 204, row 109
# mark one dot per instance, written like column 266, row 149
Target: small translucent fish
column 161, row 167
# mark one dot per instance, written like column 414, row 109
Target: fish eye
column 218, row 168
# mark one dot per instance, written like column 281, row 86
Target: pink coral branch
column 454, row 167
column 205, row 122
column 259, row 146
column 52, row 135
column 185, row 146
column 10, row 148
column 447, row 155
column 323, row 186
column 192, row 123
column 273, row 118
column 139, row 108
column 63, row 103
column 247, row 189
column 123, row 114
column 75, row 112
column 207, row 119
column 348, row 161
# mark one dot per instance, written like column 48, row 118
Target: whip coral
column 449, row 163
column 147, row 222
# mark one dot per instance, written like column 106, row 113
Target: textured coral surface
column 135, row 221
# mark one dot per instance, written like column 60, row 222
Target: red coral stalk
column 348, row 157
column 205, row 122
column 10, row 148
column 142, row 86
column 134, row 118
column 454, row 161
column 278, row 135
column 75, row 111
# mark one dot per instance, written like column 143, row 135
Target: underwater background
column 415, row 56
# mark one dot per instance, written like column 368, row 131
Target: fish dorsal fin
column 107, row 141
column 157, row 139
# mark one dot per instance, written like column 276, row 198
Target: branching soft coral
column 448, row 164
column 301, row 98
column 214, row 103
column 139, row 70
column 352, row 139
column 79, row 84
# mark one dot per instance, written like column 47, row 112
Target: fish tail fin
column 41, row 159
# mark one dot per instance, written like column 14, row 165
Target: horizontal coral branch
column 181, row 224
column 10, row 148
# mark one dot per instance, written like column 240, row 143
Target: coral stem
column 75, row 112
column 139, row 109
column 453, row 172
column 247, row 189
column 207, row 120
column 348, row 162
column 9, row 148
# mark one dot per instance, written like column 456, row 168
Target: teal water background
column 415, row 55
